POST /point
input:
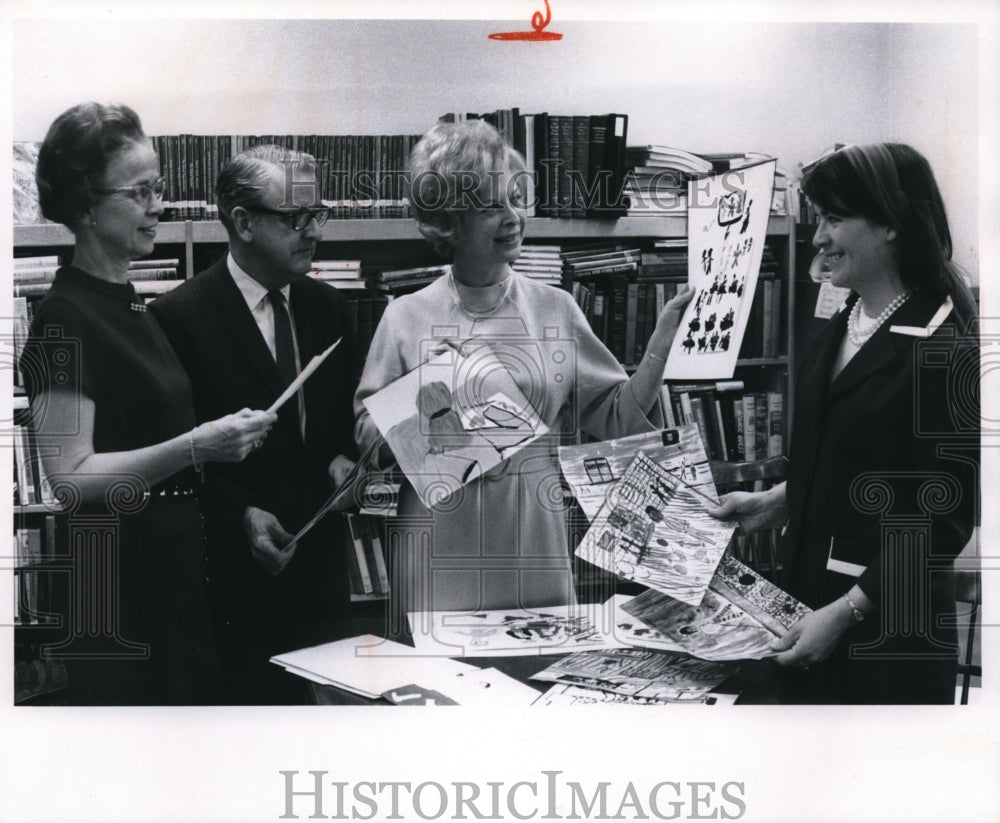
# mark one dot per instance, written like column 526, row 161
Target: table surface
column 756, row 682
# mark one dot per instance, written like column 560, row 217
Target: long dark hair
column 891, row 184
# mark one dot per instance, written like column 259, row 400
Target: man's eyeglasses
column 297, row 220
column 142, row 193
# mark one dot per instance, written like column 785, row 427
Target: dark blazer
column 230, row 367
column 883, row 478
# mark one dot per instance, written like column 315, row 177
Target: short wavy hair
column 446, row 169
column 243, row 180
column 75, row 155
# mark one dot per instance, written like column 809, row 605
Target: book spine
column 359, row 552
column 776, row 320
column 669, row 418
column 701, row 419
column 766, row 324
column 741, row 443
column 371, row 528
column 749, row 428
column 776, row 419
column 565, row 155
column 615, row 334
column 579, row 183
column 762, row 424
column 631, row 321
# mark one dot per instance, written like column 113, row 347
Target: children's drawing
column 727, row 225
column 653, row 528
column 739, row 617
column 452, row 419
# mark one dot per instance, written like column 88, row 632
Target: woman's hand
column 814, row 636
column 753, row 511
column 231, row 438
column 667, row 324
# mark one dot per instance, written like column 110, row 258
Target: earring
column 93, row 221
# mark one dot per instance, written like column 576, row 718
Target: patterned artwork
column 638, row 673
column 738, row 619
column 727, row 224
column 562, row 695
column 592, row 469
column 506, row 632
column 452, row 419
column 653, row 528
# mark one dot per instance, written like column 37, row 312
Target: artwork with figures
column 727, row 224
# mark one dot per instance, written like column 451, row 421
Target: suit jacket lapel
column 236, row 317
column 883, row 348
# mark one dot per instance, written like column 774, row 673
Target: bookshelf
column 396, row 242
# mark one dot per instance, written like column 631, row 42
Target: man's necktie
column 284, row 347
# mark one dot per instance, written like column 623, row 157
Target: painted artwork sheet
column 563, row 695
column 639, row 673
column 653, row 528
column 739, row 617
column 452, row 419
column 511, row 632
column 593, row 469
column 727, row 225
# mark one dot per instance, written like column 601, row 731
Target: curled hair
column 892, row 185
column 244, row 180
column 75, row 155
column 447, row 169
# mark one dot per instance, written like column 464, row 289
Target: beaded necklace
column 859, row 331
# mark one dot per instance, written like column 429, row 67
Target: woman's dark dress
column 90, row 337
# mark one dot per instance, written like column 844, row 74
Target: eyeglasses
column 140, row 192
column 297, row 220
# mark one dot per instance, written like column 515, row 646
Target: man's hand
column 267, row 539
column 340, row 467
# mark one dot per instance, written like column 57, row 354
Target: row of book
column 33, row 275
column 366, row 565
column 359, row 176
column 582, row 167
column 31, row 588
column 622, row 291
column 735, row 425
column 578, row 160
column 31, row 486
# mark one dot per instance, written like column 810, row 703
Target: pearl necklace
column 860, row 332
column 473, row 311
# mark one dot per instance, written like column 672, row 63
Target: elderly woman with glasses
column 112, row 409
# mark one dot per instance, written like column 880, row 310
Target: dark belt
column 174, row 488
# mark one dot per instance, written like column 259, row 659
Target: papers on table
column 372, row 667
column 510, row 632
column 638, row 673
column 563, row 695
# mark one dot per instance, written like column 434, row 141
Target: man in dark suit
column 242, row 329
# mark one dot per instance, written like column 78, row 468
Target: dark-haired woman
column 111, row 401
column 881, row 493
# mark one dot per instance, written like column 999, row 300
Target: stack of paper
column 373, row 667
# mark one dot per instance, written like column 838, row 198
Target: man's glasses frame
column 296, row 220
column 140, row 192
